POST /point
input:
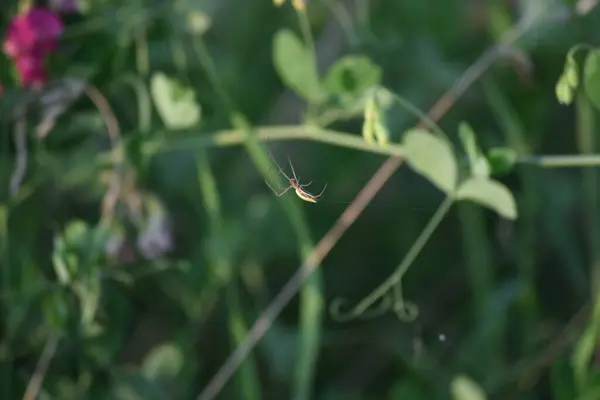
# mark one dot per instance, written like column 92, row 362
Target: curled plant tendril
column 387, row 303
column 406, row 311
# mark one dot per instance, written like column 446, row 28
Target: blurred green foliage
column 139, row 242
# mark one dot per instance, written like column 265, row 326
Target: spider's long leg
column 285, row 191
column 293, row 172
column 322, row 191
column 278, row 194
column 305, row 185
column 279, row 167
column 276, row 180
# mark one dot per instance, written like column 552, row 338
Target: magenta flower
column 31, row 70
column 31, row 36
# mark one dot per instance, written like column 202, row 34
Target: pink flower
column 35, row 32
column 31, row 70
column 29, row 39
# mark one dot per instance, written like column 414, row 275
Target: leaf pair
column 434, row 158
column 344, row 84
column 569, row 80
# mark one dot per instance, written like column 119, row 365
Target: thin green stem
column 237, row 137
column 407, row 261
column 209, row 66
column 586, row 131
column 562, row 161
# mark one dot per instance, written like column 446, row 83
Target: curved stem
column 412, row 254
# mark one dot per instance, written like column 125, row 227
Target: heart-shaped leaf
column 176, row 104
column 489, row 193
column 432, row 157
column 296, row 66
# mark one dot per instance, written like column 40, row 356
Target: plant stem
column 586, row 130
column 561, row 161
column 236, row 137
column 410, row 257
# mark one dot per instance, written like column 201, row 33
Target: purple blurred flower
column 29, row 39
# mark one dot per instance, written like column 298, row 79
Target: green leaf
column 464, row 388
column 175, row 103
column 350, row 77
column 60, row 269
column 591, row 77
column 585, row 347
column 478, row 164
column 489, row 193
column 163, row 361
column 564, row 92
column 501, row 159
column 374, row 126
column 591, row 392
column 467, row 138
column 296, row 66
column 432, row 157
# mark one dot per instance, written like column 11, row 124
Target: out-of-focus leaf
column 175, row 103
column 464, row 388
column 478, row 164
column 431, row 157
column 374, row 125
column 501, row 160
column 296, row 66
column 490, row 194
column 350, row 77
column 163, row 361
column 561, row 379
column 591, row 76
column 584, row 349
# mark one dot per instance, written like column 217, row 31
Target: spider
column 294, row 184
